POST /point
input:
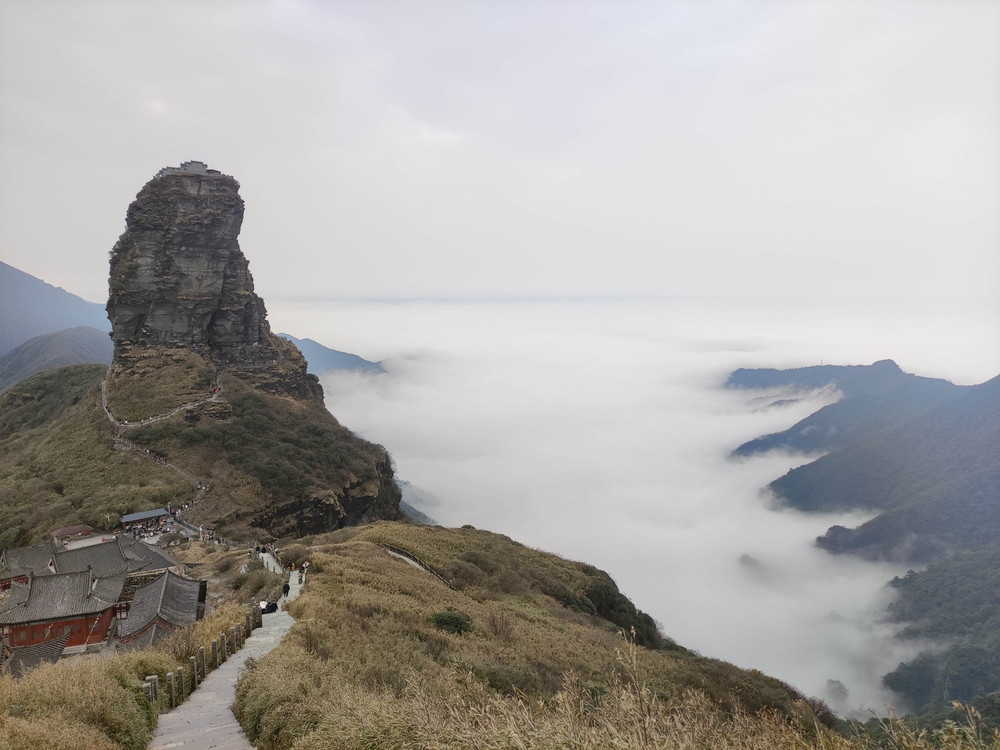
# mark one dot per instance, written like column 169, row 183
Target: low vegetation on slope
column 310, row 472
column 954, row 602
column 58, row 466
column 273, row 462
column 385, row 654
column 156, row 381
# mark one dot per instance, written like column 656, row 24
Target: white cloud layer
column 600, row 431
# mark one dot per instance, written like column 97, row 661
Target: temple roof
column 23, row 560
column 59, row 596
column 23, row 658
column 169, row 600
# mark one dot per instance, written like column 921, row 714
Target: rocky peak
column 179, row 279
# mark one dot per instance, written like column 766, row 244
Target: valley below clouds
column 602, row 431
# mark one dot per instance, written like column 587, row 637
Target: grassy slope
column 365, row 663
column 156, row 381
column 58, row 465
column 282, row 449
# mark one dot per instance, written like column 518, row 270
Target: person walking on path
column 205, row 721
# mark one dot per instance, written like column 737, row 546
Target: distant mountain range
column 922, row 451
column 322, row 359
column 45, row 326
column 924, row 454
column 70, row 346
column 29, row 307
column 874, row 397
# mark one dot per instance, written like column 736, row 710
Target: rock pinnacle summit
column 178, row 277
column 179, row 280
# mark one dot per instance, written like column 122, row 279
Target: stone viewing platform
column 189, row 167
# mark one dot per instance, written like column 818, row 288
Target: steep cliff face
column 185, row 319
column 179, row 278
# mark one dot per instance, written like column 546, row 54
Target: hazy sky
column 488, row 149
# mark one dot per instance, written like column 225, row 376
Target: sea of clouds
column 601, row 431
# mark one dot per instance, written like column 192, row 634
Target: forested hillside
column 924, row 454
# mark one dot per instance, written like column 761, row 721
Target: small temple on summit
column 188, row 167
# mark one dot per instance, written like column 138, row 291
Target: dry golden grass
column 98, row 701
column 234, row 578
column 364, row 667
column 147, row 382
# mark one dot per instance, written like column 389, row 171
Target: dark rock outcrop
column 180, row 281
column 179, row 278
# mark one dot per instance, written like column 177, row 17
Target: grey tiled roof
column 119, row 555
column 23, row 658
column 144, row 515
column 106, row 559
column 142, row 556
column 24, row 560
column 170, row 599
column 60, row 595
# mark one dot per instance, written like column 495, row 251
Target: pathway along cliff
column 205, row 721
column 124, row 444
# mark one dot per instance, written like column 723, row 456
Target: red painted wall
column 89, row 629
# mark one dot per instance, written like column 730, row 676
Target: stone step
column 205, row 721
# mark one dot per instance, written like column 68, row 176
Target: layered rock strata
column 179, row 278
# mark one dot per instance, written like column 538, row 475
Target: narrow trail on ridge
column 123, row 443
column 205, row 720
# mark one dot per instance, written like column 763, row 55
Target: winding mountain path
column 205, row 721
column 125, row 444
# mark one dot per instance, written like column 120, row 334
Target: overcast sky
column 488, row 149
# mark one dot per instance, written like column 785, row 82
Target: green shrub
column 453, row 621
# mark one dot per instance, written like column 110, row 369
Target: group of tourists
column 155, row 456
column 152, row 527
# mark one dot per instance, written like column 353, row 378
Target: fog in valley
column 601, row 431
column 795, row 183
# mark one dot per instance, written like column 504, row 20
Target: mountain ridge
column 70, row 346
column 30, row 307
column 922, row 454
